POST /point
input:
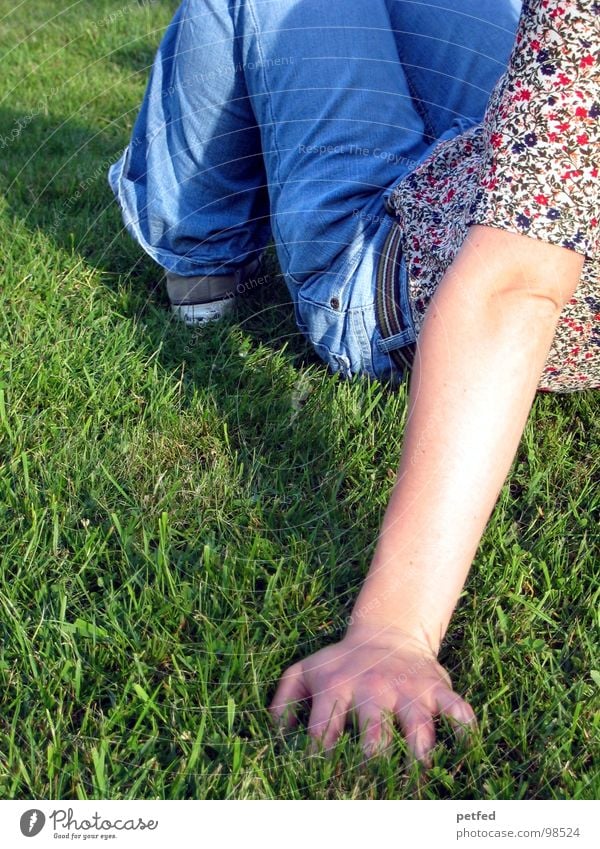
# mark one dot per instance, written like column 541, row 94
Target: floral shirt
column 531, row 167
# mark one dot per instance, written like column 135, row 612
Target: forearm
column 481, row 351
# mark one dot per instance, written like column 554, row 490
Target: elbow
column 523, row 268
column 539, row 300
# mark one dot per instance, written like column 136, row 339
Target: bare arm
column 480, row 354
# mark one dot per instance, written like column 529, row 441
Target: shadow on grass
column 55, row 174
column 55, row 180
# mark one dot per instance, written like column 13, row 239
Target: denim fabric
column 293, row 120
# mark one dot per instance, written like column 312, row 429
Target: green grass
column 176, row 526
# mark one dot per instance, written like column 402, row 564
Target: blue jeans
column 293, row 120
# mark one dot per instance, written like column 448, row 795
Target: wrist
column 400, row 615
column 376, row 633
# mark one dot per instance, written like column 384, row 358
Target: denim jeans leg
column 336, row 117
column 453, row 53
column 338, row 126
column 191, row 184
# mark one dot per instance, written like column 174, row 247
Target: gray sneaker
column 196, row 300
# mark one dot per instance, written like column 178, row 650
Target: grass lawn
column 185, row 512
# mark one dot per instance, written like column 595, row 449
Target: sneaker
column 196, row 300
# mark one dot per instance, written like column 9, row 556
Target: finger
column 290, row 691
column 327, row 720
column 418, row 729
column 376, row 726
column 459, row 712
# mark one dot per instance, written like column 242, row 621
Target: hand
column 375, row 675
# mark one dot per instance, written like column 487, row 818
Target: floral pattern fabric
column 531, row 167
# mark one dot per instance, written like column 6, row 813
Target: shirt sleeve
column 541, row 142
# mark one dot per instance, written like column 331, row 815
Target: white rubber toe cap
column 201, row 313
